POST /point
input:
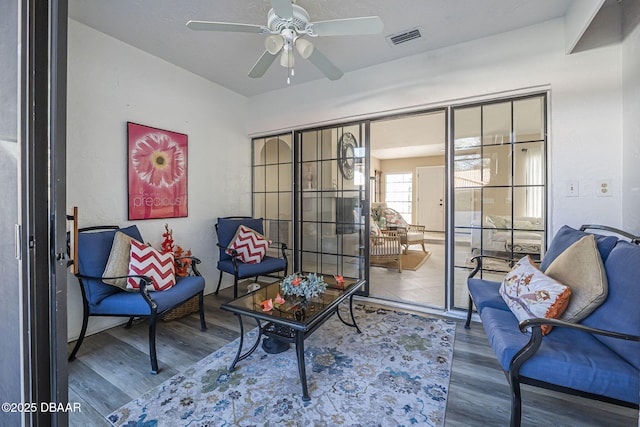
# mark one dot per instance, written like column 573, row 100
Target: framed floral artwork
column 157, row 172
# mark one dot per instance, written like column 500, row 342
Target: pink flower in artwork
column 279, row 300
column 158, row 160
column 267, row 305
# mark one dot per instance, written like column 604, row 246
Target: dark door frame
column 41, row 241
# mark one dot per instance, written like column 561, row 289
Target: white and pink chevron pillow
column 147, row 261
column 250, row 245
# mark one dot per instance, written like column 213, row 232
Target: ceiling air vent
column 404, row 37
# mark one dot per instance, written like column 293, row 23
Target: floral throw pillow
column 393, row 218
column 531, row 294
column 375, row 229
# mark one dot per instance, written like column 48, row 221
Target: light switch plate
column 572, row 189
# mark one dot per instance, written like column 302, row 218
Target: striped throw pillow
column 250, row 245
column 147, row 261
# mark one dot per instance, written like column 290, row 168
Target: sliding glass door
column 332, row 200
column 312, row 187
column 499, row 185
column 312, row 190
column 273, row 187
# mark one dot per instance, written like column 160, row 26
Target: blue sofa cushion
column 621, row 310
column 227, row 228
column 267, row 265
column 133, row 304
column 93, row 253
column 566, row 357
column 485, row 294
column 567, row 236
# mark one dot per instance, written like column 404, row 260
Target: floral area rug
column 395, row 373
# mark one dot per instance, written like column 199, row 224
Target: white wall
column 585, row 104
column 110, row 83
column 631, row 112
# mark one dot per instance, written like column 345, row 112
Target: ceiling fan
column 287, row 25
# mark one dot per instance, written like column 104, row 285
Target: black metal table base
column 278, row 336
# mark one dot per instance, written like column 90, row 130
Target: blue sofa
column 599, row 357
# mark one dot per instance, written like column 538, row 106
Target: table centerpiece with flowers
column 307, row 286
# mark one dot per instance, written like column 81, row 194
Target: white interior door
column 430, row 197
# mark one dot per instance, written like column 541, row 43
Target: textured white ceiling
column 158, row 27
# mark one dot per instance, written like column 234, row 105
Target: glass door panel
column 331, row 197
column 499, row 176
column 496, row 123
column 529, row 119
column 311, row 195
column 273, row 187
column 468, row 127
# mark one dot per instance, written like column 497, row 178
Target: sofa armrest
column 538, row 322
column 194, row 259
column 142, row 289
column 526, row 352
column 282, row 246
column 193, row 262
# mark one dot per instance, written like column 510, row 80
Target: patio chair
column 94, row 248
column 385, row 248
column 390, row 219
column 230, row 260
column 412, row 234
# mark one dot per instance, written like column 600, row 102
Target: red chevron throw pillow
column 147, row 261
column 250, row 245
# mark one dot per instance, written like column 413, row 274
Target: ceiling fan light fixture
column 287, row 23
column 274, row 43
column 286, row 58
column 304, row 48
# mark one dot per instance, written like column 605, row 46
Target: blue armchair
column 101, row 299
column 229, row 263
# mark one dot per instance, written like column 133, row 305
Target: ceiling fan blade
column 226, row 26
column 323, row 64
column 348, row 26
column 282, row 8
column 262, row 65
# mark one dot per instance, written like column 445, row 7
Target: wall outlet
column 572, row 189
column 603, row 188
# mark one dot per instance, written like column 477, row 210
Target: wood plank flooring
column 112, row 368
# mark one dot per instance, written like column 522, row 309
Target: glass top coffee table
column 293, row 321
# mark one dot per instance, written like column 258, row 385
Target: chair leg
column 219, row 282
column 129, row 323
column 469, row 310
column 152, row 344
column 235, row 286
column 516, row 402
column 83, row 331
column 203, row 324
